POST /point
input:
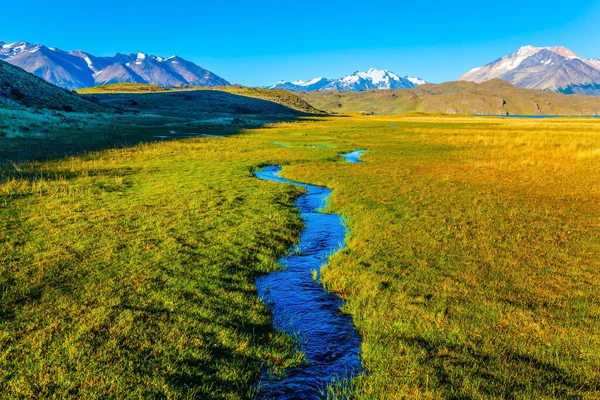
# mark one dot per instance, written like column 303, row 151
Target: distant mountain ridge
column 495, row 97
column 79, row 69
column 547, row 68
column 371, row 79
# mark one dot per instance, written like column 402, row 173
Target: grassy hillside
column 123, row 88
column 189, row 103
column 133, row 118
column 284, row 97
column 493, row 97
column 471, row 269
column 20, row 88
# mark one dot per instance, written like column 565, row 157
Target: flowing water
column 354, row 156
column 303, row 309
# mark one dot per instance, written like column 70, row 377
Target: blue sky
column 259, row 42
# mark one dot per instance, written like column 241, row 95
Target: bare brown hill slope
column 496, row 97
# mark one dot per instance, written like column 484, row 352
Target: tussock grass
column 471, row 268
column 130, row 273
column 123, row 88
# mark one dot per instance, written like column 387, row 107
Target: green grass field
column 471, row 269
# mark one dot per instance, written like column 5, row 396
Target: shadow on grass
column 190, row 371
column 139, row 118
column 509, row 374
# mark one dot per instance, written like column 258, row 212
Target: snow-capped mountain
column 309, row 86
column 78, row 69
column 547, row 68
column 371, row 79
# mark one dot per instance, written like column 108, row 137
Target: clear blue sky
column 262, row 41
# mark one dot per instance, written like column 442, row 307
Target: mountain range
column 78, row 69
column 547, row 68
column 371, row 79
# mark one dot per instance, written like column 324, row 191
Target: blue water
column 302, row 308
column 353, row 157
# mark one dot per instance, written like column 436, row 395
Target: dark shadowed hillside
column 18, row 87
column 143, row 116
column 282, row 97
column 190, row 103
column 492, row 97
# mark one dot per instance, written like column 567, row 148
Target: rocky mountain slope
column 547, row 68
column 78, row 69
column 371, row 79
column 496, row 97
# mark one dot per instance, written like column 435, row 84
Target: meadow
column 471, row 268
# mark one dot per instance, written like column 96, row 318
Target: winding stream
column 302, row 308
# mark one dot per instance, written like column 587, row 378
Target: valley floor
column 471, row 270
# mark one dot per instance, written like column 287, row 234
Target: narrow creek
column 302, row 308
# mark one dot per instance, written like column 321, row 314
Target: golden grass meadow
column 471, row 269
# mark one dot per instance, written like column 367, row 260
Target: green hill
column 493, row 97
column 282, row 97
column 20, row 88
column 206, row 103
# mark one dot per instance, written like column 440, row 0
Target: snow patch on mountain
column 595, row 62
column 416, row 81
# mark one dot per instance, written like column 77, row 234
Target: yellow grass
column 472, row 267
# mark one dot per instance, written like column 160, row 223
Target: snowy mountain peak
column 526, row 50
column 370, row 79
column 548, row 68
column 314, row 80
column 15, row 45
column 12, row 49
column 78, row 69
column 563, row 51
